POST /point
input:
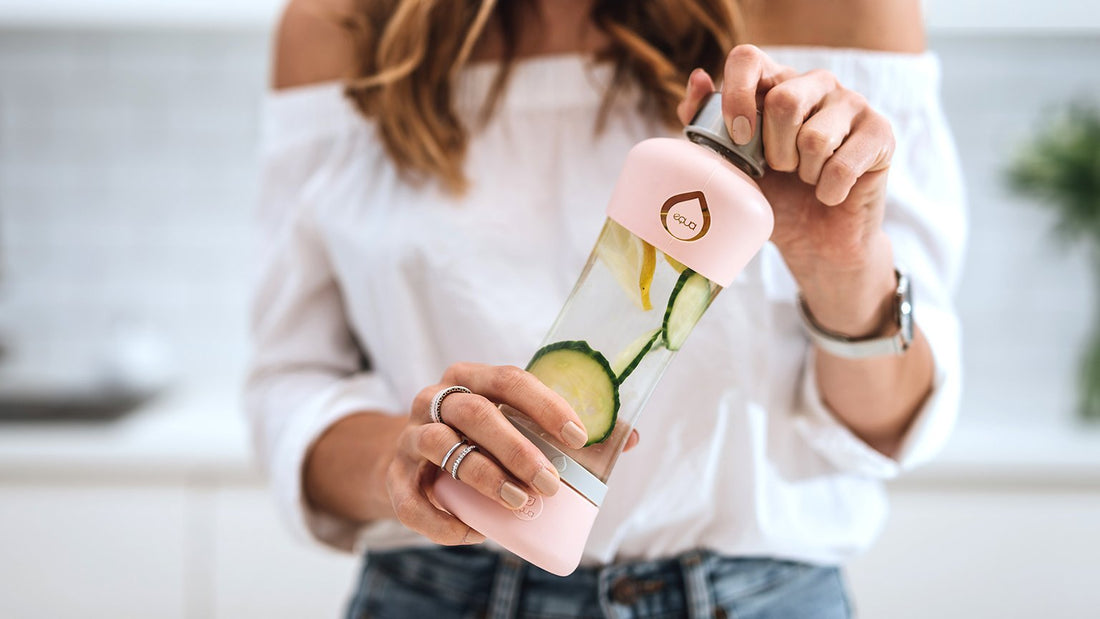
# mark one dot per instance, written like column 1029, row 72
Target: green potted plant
column 1060, row 168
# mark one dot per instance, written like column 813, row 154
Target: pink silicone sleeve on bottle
column 553, row 539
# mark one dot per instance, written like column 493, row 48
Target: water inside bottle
column 629, row 312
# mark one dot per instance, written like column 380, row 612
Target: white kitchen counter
column 182, row 434
column 979, row 453
column 201, row 434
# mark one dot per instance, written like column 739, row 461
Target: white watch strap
column 849, row 348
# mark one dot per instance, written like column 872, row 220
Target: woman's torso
column 429, row 279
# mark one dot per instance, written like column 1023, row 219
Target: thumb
column 631, row 441
column 699, row 86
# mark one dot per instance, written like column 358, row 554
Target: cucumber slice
column 690, row 298
column 632, row 355
column 584, row 378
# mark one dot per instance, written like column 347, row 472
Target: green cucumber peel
column 689, row 299
column 583, row 373
column 632, row 355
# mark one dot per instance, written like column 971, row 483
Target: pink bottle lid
column 697, row 202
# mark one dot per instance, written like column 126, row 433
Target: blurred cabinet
column 93, row 551
column 258, row 571
column 186, row 551
column 198, row 550
column 982, row 551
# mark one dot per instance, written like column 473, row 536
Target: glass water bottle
column 684, row 219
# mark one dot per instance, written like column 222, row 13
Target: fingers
column 868, row 148
column 475, row 469
column 631, row 441
column 699, row 86
column 820, row 136
column 407, row 482
column 811, row 125
column 786, row 108
column 525, row 393
column 748, row 71
column 506, row 466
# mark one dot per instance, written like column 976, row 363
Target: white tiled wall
column 127, row 180
column 126, row 190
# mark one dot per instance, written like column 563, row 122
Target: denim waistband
column 472, row 581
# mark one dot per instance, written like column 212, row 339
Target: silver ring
column 459, row 458
column 437, row 401
column 443, row 464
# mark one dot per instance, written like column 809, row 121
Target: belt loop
column 504, row 597
column 697, row 592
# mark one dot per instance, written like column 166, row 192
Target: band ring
column 443, row 463
column 437, row 401
column 459, row 458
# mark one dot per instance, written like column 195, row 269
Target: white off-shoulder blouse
column 738, row 453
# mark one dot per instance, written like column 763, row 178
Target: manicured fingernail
column 473, row 537
column 574, row 435
column 691, row 76
column 740, row 130
column 546, row 481
column 513, row 495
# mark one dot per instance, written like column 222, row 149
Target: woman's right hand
column 506, row 467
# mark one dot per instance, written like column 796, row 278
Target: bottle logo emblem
column 531, row 509
column 685, row 216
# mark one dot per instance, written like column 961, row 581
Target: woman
column 435, row 175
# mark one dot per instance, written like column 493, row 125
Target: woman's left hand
column 829, row 153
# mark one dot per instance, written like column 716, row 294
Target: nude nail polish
column 546, row 481
column 574, row 435
column 513, row 495
column 741, row 130
column 472, row 537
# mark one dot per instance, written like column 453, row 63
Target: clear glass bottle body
column 675, row 203
column 623, row 305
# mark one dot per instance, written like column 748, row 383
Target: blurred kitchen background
column 128, row 139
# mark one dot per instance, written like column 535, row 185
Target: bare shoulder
column 894, row 25
column 311, row 43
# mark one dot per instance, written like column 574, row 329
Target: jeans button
column 624, row 591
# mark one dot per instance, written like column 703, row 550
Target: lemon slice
column 631, row 261
column 645, row 278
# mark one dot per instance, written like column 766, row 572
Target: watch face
column 905, row 309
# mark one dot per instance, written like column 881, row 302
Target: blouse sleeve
column 305, row 372
column 926, row 221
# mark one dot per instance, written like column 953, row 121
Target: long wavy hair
column 409, row 54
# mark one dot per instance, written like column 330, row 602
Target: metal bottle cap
column 708, row 128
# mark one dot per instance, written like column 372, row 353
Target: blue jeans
column 464, row 581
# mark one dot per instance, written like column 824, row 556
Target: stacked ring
column 443, row 464
column 437, row 401
column 459, row 458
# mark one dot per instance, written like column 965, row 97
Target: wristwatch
column 866, row 348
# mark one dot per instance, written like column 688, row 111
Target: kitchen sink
column 69, row 405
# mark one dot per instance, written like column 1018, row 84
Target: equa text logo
column 685, row 216
column 531, row 509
